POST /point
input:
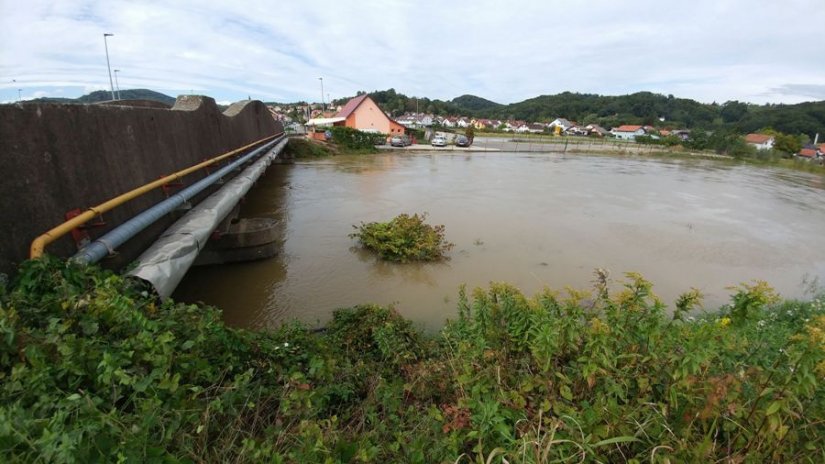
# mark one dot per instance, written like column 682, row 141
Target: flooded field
column 533, row 220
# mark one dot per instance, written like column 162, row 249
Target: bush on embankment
column 92, row 369
column 353, row 140
column 306, row 149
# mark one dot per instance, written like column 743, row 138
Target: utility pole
column 323, row 105
column 117, row 84
column 106, row 45
column 19, row 92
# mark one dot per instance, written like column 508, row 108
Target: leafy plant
column 94, row 369
column 405, row 238
column 353, row 139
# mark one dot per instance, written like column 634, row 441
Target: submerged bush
column 94, row 369
column 405, row 238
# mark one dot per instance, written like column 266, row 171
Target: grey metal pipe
column 168, row 260
column 106, row 244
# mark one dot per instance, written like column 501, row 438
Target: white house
column 425, row 120
column 627, row 132
column 447, row 122
column 760, row 141
column 560, row 122
column 462, row 122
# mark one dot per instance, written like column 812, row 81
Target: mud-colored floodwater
column 531, row 220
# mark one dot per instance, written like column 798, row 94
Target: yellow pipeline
column 39, row 244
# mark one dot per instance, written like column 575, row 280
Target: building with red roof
column 760, row 141
column 364, row 114
column 628, row 132
column 360, row 113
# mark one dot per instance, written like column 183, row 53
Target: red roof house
column 627, row 128
column 761, row 141
column 628, row 132
column 363, row 113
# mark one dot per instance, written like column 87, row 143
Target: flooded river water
column 533, row 220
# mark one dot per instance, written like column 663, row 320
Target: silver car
column 439, row 141
column 399, row 141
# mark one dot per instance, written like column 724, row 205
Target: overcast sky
column 506, row 51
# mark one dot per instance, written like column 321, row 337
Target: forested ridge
column 639, row 108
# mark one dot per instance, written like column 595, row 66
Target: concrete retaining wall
column 54, row 158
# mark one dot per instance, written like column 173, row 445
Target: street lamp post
column 117, row 84
column 323, row 105
column 19, row 92
column 106, row 45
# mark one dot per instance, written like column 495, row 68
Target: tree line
column 645, row 108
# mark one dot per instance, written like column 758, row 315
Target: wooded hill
column 106, row 95
column 610, row 111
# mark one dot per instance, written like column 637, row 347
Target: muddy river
column 533, row 220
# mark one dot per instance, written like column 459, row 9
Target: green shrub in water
column 405, row 238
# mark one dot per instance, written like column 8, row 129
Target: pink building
column 363, row 113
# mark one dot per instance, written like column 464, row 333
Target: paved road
column 427, row 147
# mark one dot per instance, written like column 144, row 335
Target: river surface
column 533, row 220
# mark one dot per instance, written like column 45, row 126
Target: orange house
column 360, row 113
column 363, row 113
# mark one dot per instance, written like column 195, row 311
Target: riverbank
column 531, row 143
column 95, row 369
column 589, row 145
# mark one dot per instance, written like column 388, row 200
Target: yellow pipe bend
column 39, row 244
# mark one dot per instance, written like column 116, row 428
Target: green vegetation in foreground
column 94, row 370
column 405, row 238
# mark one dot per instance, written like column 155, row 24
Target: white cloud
column 708, row 49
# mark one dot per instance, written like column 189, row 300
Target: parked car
column 462, row 141
column 439, row 141
column 400, row 141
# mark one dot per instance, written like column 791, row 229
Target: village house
column 760, row 141
column 523, row 128
column 535, row 128
column 597, row 130
column 448, row 122
column 807, row 153
column 361, row 113
column 577, row 130
column 481, row 123
column 564, row 124
column 463, row 122
column 627, row 132
column 415, row 120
